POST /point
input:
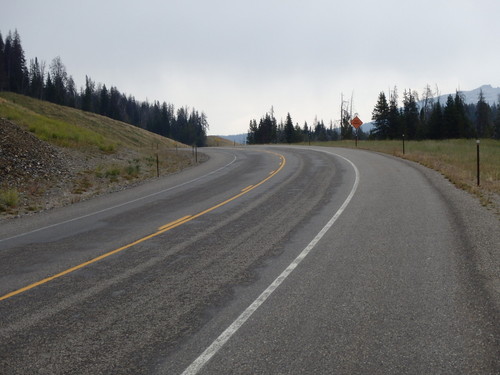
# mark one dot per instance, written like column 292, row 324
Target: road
column 262, row 260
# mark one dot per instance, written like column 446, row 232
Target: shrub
column 8, row 199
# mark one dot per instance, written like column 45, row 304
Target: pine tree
column 71, row 93
column 380, row 115
column 181, row 125
column 289, row 129
column 15, row 64
column 166, row 120
column 267, row 129
column 104, row 101
column 114, row 106
column 395, row 126
column 132, row 110
column 88, row 94
column 320, row 131
column 297, row 134
column 252, row 132
column 435, row 122
column 49, row 89
column 464, row 126
column 410, row 114
column 3, row 72
column 59, row 80
column 496, row 133
column 450, row 118
column 36, row 78
column 484, row 123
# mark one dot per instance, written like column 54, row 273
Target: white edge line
column 204, row 357
column 118, row 205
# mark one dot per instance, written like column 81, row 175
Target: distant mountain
column 367, row 126
column 491, row 95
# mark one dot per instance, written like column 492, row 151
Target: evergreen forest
column 416, row 119
column 428, row 118
column 53, row 83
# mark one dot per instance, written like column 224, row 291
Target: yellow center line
column 160, row 230
column 175, row 223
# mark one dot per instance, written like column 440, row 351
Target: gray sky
column 235, row 59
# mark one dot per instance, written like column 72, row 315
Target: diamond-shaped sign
column 356, row 122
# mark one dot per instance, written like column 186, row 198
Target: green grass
column 70, row 127
column 8, row 199
column 56, row 131
column 133, row 169
column 113, row 173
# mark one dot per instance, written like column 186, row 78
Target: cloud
column 234, row 59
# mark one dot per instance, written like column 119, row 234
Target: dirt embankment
column 37, row 176
column 25, row 159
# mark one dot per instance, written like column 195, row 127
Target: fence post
column 477, row 152
column 157, row 161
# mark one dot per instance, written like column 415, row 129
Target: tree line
column 416, row 119
column 54, row 84
column 268, row 130
column 428, row 118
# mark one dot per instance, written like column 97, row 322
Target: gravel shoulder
column 480, row 231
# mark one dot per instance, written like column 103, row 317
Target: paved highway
column 262, row 260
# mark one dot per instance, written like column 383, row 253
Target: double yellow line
column 162, row 229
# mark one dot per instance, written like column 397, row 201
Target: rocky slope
column 25, row 159
column 42, row 176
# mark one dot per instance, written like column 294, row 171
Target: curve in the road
column 160, row 230
column 118, row 205
column 199, row 362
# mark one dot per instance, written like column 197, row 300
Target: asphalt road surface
column 269, row 260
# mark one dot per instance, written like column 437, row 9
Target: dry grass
column 455, row 159
column 215, row 141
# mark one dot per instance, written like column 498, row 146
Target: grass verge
column 456, row 159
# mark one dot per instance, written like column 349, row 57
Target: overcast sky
column 235, row 59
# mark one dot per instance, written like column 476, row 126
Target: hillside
column 238, row 138
column 219, row 141
column 52, row 155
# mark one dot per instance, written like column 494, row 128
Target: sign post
column 356, row 123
